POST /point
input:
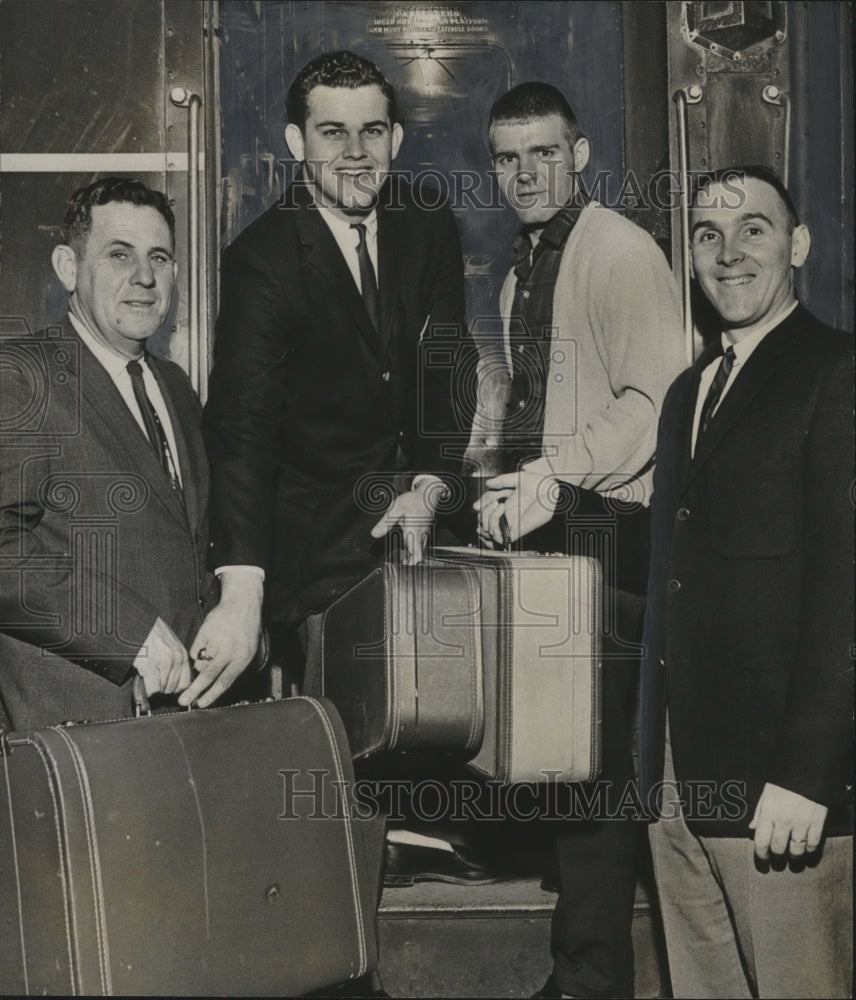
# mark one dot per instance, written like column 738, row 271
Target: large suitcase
column 400, row 657
column 540, row 623
column 190, row 853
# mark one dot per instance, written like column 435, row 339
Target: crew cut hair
column 755, row 171
column 78, row 214
column 335, row 69
column 535, row 100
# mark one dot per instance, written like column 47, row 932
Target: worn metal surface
column 776, row 89
column 85, row 92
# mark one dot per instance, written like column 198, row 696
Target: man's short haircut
column 335, row 69
column 78, row 215
column 535, row 100
column 726, row 175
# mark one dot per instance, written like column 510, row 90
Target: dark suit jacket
column 750, row 604
column 94, row 543
column 308, row 404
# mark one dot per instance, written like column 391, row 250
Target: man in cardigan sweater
column 592, row 339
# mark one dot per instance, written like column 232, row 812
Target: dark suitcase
column 540, row 617
column 400, row 657
column 176, row 855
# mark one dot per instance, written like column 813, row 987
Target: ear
column 64, row 261
column 397, row 137
column 294, row 141
column 692, row 265
column 800, row 246
column 582, row 151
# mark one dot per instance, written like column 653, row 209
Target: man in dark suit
column 321, row 404
column 746, row 723
column 103, row 478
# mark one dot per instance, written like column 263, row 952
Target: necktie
column 151, row 421
column 367, row 276
column 715, row 391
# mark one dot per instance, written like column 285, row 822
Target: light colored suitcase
column 539, row 617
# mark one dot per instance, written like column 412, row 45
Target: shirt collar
column 555, row 234
column 115, row 364
column 341, row 228
column 744, row 347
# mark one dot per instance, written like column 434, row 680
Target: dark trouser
column 591, row 930
column 597, row 859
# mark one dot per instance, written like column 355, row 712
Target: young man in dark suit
column 103, row 478
column 321, row 405
column 746, row 724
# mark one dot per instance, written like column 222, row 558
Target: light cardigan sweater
column 616, row 346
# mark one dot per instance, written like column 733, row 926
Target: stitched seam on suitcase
column 391, row 624
column 94, row 860
column 476, row 733
column 506, row 593
column 594, row 767
column 66, row 875
column 5, row 756
column 349, row 835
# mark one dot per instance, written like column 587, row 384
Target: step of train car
column 441, row 940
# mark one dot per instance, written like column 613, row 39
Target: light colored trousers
column 734, row 929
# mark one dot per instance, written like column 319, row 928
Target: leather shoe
column 362, row 986
column 407, row 864
column 550, row 881
column 549, row 991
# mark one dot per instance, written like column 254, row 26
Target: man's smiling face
column 121, row 280
column 346, row 146
column 744, row 249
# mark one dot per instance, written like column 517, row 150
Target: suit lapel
column 324, row 256
column 749, row 382
column 182, row 417
column 119, row 426
column 390, row 259
column 688, row 406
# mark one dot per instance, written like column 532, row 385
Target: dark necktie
column 715, row 391
column 368, row 281
column 151, row 421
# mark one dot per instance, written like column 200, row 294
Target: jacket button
column 385, row 376
column 683, row 514
column 673, row 585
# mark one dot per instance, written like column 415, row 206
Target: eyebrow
column 746, row 217
column 540, row 147
column 373, row 124
column 130, row 246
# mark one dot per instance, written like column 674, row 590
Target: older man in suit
column 746, row 737
column 103, row 478
column 322, row 405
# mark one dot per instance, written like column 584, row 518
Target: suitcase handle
column 260, row 661
column 142, row 705
column 505, row 531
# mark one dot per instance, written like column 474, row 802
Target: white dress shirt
column 348, row 240
column 116, row 366
column 742, row 351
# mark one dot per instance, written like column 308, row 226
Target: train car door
column 98, row 88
